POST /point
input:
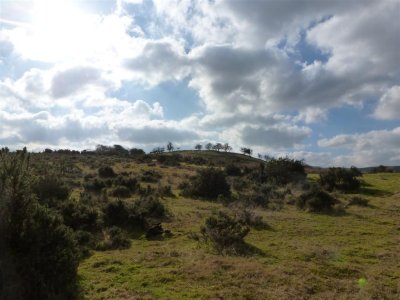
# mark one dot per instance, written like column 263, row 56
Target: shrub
column 106, row 172
column 209, row 183
column 154, row 231
column 224, row 233
column 341, row 179
column 316, row 200
column 232, row 170
column 149, row 207
column 114, row 238
column 130, row 182
column 120, row 191
column 165, row 191
column 80, row 216
column 285, row 170
column 48, row 256
column 50, row 188
column 151, row 176
column 116, row 213
column 250, row 218
column 170, row 160
column 33, row 238
column 95, row 185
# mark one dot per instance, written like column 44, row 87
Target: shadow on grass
column 242, row 249
column 367, row 190
column 250, row 250
column 263, row 226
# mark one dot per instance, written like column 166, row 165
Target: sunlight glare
column 61, row 30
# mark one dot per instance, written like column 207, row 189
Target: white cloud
column 389, row 105
column 240, row 56
column 159, row 61
column 371, row 148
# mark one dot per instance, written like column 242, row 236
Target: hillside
column 352, row 252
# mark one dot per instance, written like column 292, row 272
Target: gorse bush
column 114, row 238
column 80, row 216
column 49, row 189
column 250, row 218
column 120, row 192
column 95, row 185
column 151, row 176
column 141, row 213
column 208, row 183
column 33, row 238
column 232, row 170
column 106, row 172
column 316, row 200
column 341, row 179
column 224, row 233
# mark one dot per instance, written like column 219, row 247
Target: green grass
column 301, row 255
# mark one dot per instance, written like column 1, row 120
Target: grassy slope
column 301, row 256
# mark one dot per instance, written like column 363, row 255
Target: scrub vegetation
column 204, row 224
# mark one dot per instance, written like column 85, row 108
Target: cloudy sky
column 312, row 79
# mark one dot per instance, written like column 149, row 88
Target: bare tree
column 198, row 147
column 209, row 146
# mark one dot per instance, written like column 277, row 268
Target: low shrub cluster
column 106, row 172
column 342, row 179
column 224, row 233
column 209, row 183
column 316, row 200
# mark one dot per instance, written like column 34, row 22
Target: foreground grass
column 301, row 256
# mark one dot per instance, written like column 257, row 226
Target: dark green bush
column 80, row 216
column 129, row 182
column 151, row 176
column 341, row 179
column 285, row 170
column 106, row 172
column 165, row 191
column 33, row 238
column 116, row 213
column 114, row 238
column 120, row 191
column 209, row 183
column 316, row 200
column 149, row 207
column 224, row 233
column 49, row 189
column 141, row 213
column 239, row 184
column 232, row 170
column 250, row 218
column 95, row 185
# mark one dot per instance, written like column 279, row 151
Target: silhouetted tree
column 170, row 147
column 209, row 146
column 158, row 150
column 198, row 147
column 227, row 148
column 218, row 146
column 136, row 151
column 245, row 151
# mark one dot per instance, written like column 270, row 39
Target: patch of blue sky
column 177, row 99
column 13, row 68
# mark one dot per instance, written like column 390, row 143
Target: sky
column 317, row 80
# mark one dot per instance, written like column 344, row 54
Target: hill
column 350, row 252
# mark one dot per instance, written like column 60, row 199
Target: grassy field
column 354, row 255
